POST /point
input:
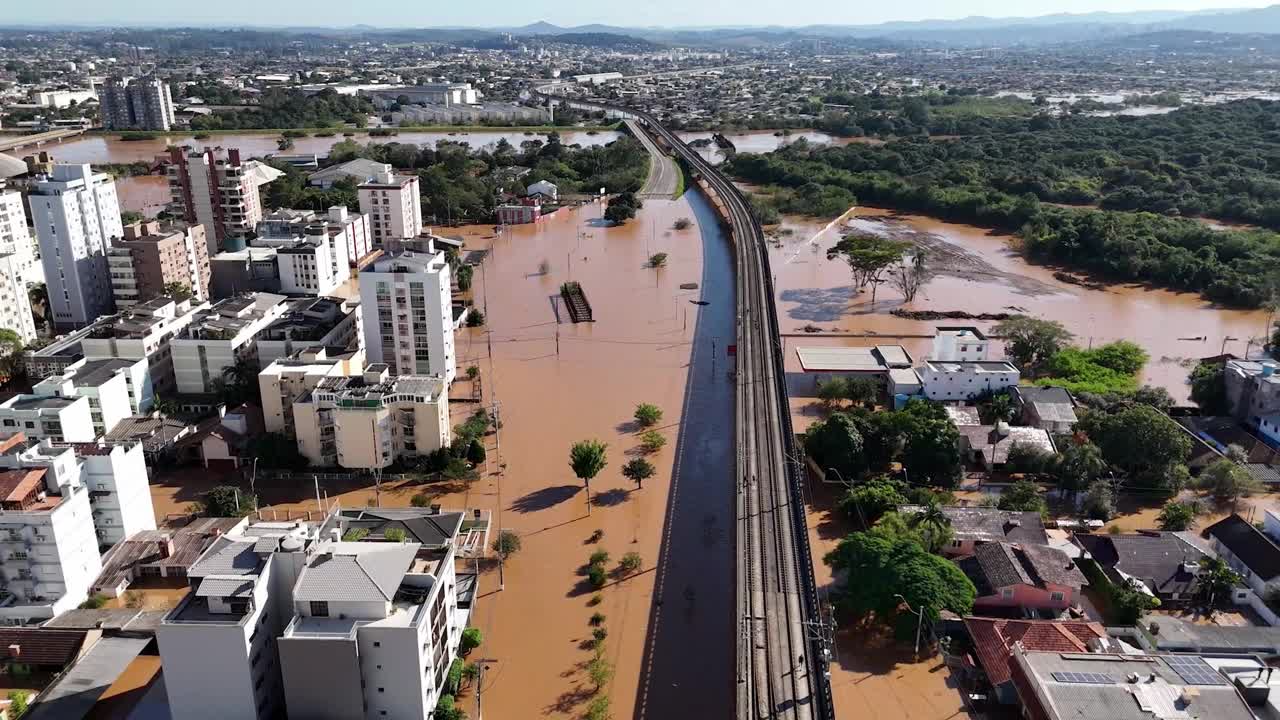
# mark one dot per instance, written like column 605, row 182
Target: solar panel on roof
column 1083, row 677
column 1194, row 670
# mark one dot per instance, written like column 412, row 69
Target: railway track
column 781, row 655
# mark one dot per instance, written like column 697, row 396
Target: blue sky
column 489, row 13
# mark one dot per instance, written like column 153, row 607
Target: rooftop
column 229, row 317
column 356, row 392
column 973, row 366
column 982, row 524
column 998, row 565
column 994, row 640
column 995, row 442
column 307, row 319
column 1257, row 551
column 878, row 358
column 39, row 402
column 1157, row 559
column 355, row 571
column 95, row 373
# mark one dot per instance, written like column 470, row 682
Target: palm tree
column 933, row 525
column 241, row 379
column 587, row 458
column 164, row 406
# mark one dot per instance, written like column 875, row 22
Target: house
column 971, row 526
column 1113, row 686
column 1249, row 552
column 958, row 381
column 1026, row 577
column 995, row 640
column 224, row 442
column 874, row 362
column 988, row 446
column 544, row 189
column 528, row 210
column 1049, row 408
column 166, row 554
column 959, row 344
column 1157, row 562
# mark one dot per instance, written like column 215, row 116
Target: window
column 1057, row 596
column 319, row 608
column 1006, row 593
column 377, row 644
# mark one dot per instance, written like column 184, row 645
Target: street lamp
column 919, row 620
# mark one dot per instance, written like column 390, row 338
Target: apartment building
column 310, row 266
column 15, row 304
column 48, row 417
column 15, row 237
column 353, row 227
column 369, row 421
column 150, row 258
column 143, row 332
column 394, row 206
column 326, row 322
column 219, row 336
column 286, row 380
column 116, row 389
column 136, row 104
column 76, row 215
column 407, row 303
column 114, row 473
column 297, row 620
column 252, row 269
column 216, row 189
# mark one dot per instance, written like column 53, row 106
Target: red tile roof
column 39, row 646
column 993, row 640
column 16, row 485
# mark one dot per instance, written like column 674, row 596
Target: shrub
column 596, row 619
column 598, row 708
column 421, row 500
column 475, row 318
column 648, row 415
column 395, row 535
column 600, row 671
column 630, row 563
column 355, row 534
column 596, row 536
column 595, row 600
column 94, row 602
column 599, row 557
column 683, row 223
column 453, row 680
column 598, row 634
column 471, row 639
column 652, row 441
column 473, row 372
column 658, row 260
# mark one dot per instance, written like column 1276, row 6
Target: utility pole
column 481, row 666
column 919, row 620
column 315, row 478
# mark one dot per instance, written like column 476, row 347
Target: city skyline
column 503, row 14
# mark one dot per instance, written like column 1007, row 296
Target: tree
column 130, row 217
column 638, row 470
column 11, row 347
column 997, row 407
column 1213, row 586
column 1032, row 341
column 833, row 390
column 277, row 450
column 1209, row 388
column 475, row 452
column 1177, row 516
column 880, row 568
column 504, row 546
column 909, row 276
column 1099, row 501
column 224, row 501
column 446, row 709
column 471, row 639
column 1023, row 495
column 658, row 260
column 164, row 406
column 933, row 527
column 630, row 563
column 1140, row 440
column 868, row 501
column 241, row 381
column 869, row 257
column 651, row 441
column 837, row 443
column 1129, row 604
column 622, row 207
column 931, row 452
column 648, row 415
column 861, row 390
column 587, row 458
column 17, row 703
column 1079, row 465
column 1228, row 482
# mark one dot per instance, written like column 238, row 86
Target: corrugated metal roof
column 839, row 359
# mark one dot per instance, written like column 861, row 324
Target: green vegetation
column 446, row 709
column 1110, row 368
column 1178, row 516
column 1146, row 174
column 1142, row 442
column 1023, row 495
column 957, row 111
column 471, row 639
column 597, row 574
column 223, row 501
column 651, row 441
column 286, row 108
column 630, row 563
column 1227, row 481
column 420, row 500
column 395, row 535
column 869, row 257
column 1209, row 388
column 18, row 703
column 658, row 260
column 920, row 436
column 506, row 544
column 648, row 415
column 355, row 535
column 882, row 567
column 94, row 602
column 587, row 458
column 638, row 470
column 622, row 207
column 1213, row 589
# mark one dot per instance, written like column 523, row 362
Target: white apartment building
column 76, row 215
column 315, row 265
column 959, row 344
column 957, row 381
column 218, row 190
column 116, row 389
column 15, row 304
column 394, row 206
column 219, row 336
column 284, row 223
column 143, row 332
column 47, row 543
column 324, row 322
column 287, row 379
column 48, row 417
column 407, row 303
column 15, row 237
column 290, row 617
column 114, row 473
column 369, row 421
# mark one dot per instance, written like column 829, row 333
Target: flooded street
column 147, row 194
column 979, row 272
column 765, row 141
column 555, row 383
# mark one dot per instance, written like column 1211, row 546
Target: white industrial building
column 407, row 304
column 394, row 207
column 219, row 336
column 368, row 421
column 76, row 215
column 291, row 616
column 956, row 381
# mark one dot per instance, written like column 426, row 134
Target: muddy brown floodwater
column 556, row 383
column 981, row 272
